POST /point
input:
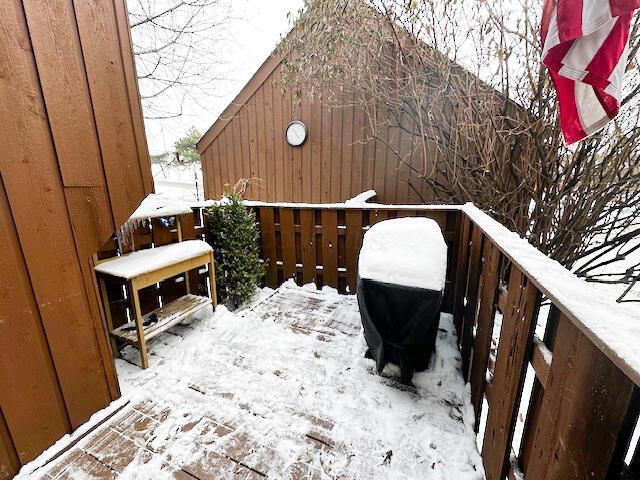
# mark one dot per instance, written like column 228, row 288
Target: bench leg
column 137, row 313
column 212, row 282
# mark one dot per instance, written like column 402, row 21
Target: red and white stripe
column 585, row 50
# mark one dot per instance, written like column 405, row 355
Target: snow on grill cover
column 405, row 251
column 401, row 276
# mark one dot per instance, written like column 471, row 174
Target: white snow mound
column 405, row 251
column 143, row 261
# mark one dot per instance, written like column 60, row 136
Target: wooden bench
column 143, row 268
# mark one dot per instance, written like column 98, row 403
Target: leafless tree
column 177, row 45
column 465, row 80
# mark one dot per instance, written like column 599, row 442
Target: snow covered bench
column 401, row 278
column 143, row 268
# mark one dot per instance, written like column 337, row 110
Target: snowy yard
column 279, row 389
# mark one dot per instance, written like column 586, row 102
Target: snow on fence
column 581, row 407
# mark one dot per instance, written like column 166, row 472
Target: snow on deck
column 283, row 390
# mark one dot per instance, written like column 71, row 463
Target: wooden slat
column 296, row 152
column 471, row 308
column 278, row 161
column 539, row 361
column 516, row 337
column 583, row 409
column 32, row 403
column 463, row 262
column 625, row 435
column 261, row 150
column 9, row 461
column 288, row 242
column 485, row 320
column 103, row 58
column 308, row 245
column 326, row 160
column 330, row 248
column 269, row 245
column 353, row 244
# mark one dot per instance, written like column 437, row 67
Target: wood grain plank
column 347, row 147
column 308, row 245
column 230, row 155
column 516, row 338
column 583, row 410
column 9, row 461
column 268, row 234
column 330, row 248
column 306, row 177
column 485, row 319
column 287, row 116
column 336, row 154
column 315, row 139
column 326, row 152
column 353, row 243
column 33, row 404
column 263, row 186
column 288, row 243
column 278, row 161
column 245, row 148
column 41, row 212
column 296, row 152
column 269, row 139
column 105, row 69
column 471, row 308
column 253, row 149
column 462, row 268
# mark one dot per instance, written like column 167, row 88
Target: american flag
column 585, row 50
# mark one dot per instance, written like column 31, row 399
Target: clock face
column 296, row 133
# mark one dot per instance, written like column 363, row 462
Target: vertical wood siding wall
column 73, row 165
column 336, row 162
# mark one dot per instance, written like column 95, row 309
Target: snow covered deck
column 281, row 389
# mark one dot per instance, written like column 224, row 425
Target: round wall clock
column 296, row 133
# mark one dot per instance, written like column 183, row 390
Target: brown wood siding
column 339, row 159
column 74, row 165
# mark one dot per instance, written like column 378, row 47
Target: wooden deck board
column 225, row 437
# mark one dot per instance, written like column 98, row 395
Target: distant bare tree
column 466, row 81
column 176, row 44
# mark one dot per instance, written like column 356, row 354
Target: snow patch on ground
column 297, row 353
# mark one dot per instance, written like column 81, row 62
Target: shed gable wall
column 339, row 159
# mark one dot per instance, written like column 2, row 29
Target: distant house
column 338, row 159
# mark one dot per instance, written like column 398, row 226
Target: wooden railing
column 562, row 404
column 321, row 243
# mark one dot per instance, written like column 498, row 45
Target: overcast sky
column 256, row 28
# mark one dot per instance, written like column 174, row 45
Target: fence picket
column 488, row 298
column 516, row 338
column 330, row 248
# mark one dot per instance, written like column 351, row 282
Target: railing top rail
column 349, row 205
column 612, row 328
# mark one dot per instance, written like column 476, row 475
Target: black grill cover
column 400, row 324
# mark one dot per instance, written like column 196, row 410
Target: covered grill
column 401, row 276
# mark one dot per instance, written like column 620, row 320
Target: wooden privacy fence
column 581, row 403
column 321, row 244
